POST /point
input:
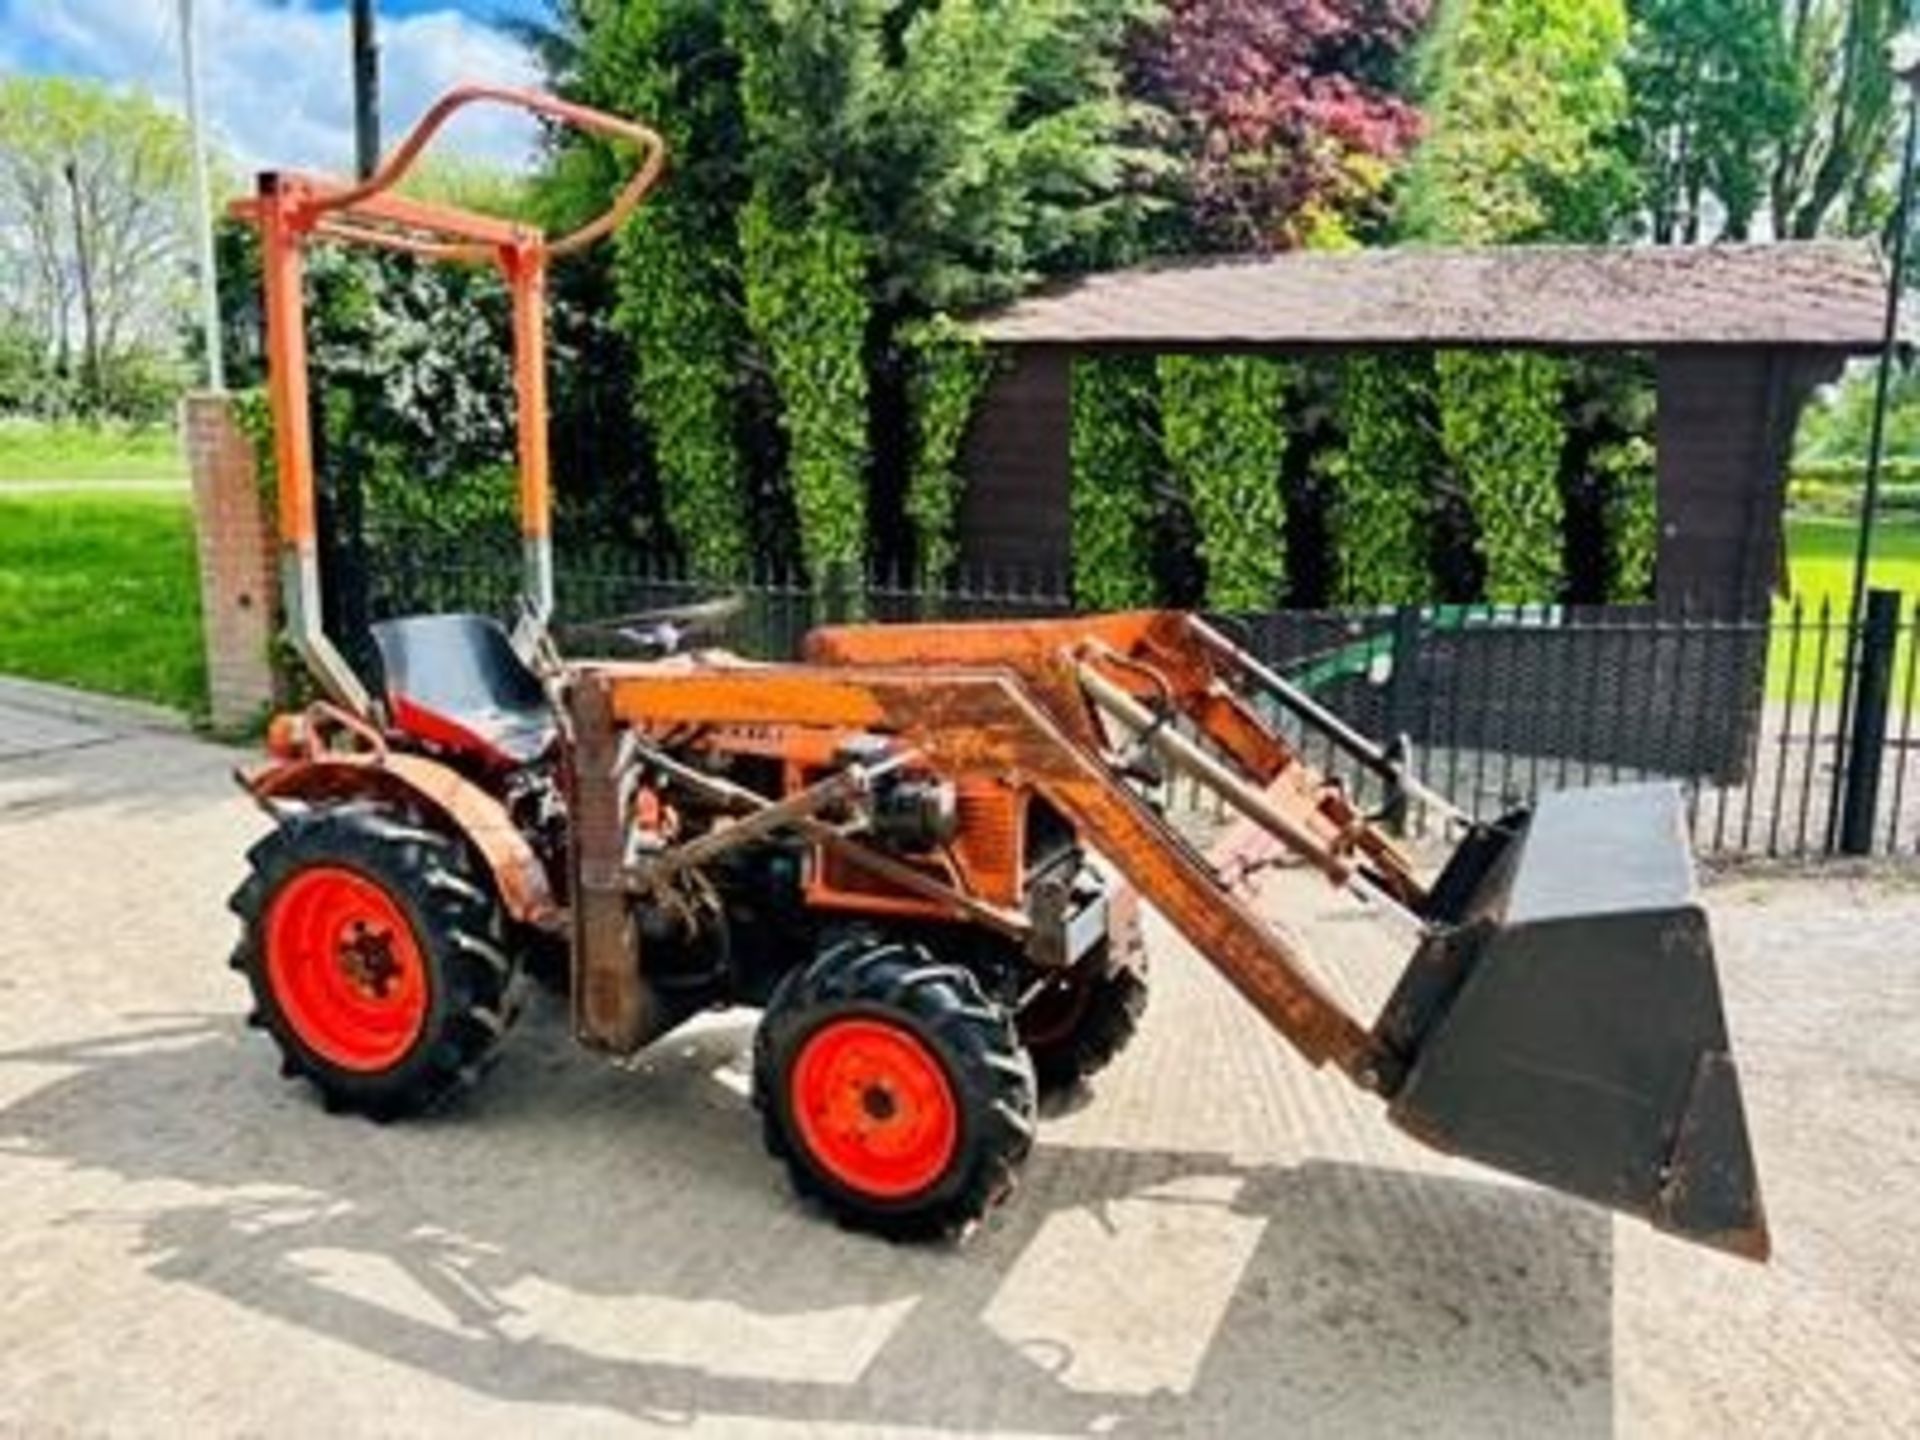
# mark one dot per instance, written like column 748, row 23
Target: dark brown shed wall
column 1725, row 430
column 1015, row 513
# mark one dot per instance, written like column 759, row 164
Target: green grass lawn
column 1820, row 558
column 100, row 590
column 31, row 450
column 1820, row 562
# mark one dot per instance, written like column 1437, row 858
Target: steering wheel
column 655, row 634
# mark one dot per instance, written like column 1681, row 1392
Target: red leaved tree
column 1288, row 110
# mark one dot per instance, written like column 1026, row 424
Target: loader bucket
column 1562, row 1021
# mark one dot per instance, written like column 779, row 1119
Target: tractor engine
column 721, row 904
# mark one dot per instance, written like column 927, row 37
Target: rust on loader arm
column 1172, row 663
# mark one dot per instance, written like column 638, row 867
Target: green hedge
column 674, row 311
column 1382, row 482
column 1225, row 432
column 807, row 308
column 1633, row 519
column 1836, row 487
column 1503, row 427
column 1115, row 461
column 947, row 370
column 1897, row 469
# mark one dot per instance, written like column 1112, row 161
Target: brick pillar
column 239, row 589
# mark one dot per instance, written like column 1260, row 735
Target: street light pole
column 1906, row 67
column 1904, row 59
column 203, row 194
column 366, row 91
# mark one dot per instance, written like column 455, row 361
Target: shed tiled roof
column 1824, row 295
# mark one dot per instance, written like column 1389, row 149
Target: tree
column 1713, row 98
column 1831, row 171
column 1522, row 99
column 1743, row 108
column 843, row 172
column 449, row 178
column 95, row 206
column 1525, row 99
column 1287, row 111
column 993, row 148
column 1838, row 426
column 674, row 271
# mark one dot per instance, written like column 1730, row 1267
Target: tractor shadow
column 578, row 1234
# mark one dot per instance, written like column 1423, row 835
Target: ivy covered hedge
column 1116, row 462
column 1426, row 477
column 1502, row 429
column 807, row 307
column 1627, row 473
column 948, row 370
column 685, row 342
column 1383, row 477
column 1226, row 436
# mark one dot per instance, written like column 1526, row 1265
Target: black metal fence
column 1497, row 703
column 1746, row 715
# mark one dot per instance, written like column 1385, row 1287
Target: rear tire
column 375, row 950
column 894, row 1090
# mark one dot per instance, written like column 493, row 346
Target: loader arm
column 1193, row 683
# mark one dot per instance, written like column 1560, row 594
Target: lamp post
column 1905, row 56
column 366, row 90
column 1904, row 59
column 203, row 201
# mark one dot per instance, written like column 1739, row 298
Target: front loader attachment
column 1561, row 1016
column 1562, row 1019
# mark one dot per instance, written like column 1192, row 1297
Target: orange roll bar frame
column 291, row 209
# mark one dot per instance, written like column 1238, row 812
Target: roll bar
column 289, row 209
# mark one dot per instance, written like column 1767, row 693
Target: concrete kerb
column 109, row 712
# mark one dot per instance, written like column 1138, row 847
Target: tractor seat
column 457, row 682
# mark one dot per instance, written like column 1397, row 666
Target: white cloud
column 275, row 78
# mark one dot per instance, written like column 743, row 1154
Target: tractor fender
column 518, row 872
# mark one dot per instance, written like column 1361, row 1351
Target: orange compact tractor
column 918, row 851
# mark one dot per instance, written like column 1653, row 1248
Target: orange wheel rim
column 345, row 968
column 874, row 1107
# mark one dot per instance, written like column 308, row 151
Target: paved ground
column 1220, row 1242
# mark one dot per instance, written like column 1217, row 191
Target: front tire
column 1081, row 1028
column 375, row 953
column 1078, row 1025
column 897, row 1094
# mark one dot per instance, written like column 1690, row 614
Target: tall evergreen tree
column 1712, row 99
column 844, row 169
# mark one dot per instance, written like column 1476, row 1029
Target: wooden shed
column 1740, row 336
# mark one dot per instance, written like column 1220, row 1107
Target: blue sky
column 275, row 73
